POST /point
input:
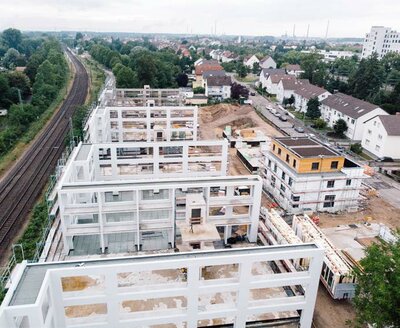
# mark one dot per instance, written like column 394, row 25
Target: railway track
column 23, row 184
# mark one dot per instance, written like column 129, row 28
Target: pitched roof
column 309, row 91
column 265, row 59
column 268, row 71
column 293, row 67
column 391, row 123
column 293, row 83
column 276, row 78
column 207, row 74
column 348, row 105
column 218, row 81
column 203, row 67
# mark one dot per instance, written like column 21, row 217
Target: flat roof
column 33, row 276
column 313, row 151
column 306, row 147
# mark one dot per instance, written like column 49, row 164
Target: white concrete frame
column 48, row 310
column 144, row 160
column 137, row 206
column 124, row 124
column 311, row 187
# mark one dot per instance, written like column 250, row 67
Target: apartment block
column 303, row 174
column 234, row 287
column 142, row 123
column 381, row 40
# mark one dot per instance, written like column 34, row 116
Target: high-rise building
column 381, row 40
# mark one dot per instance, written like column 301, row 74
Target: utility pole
column 20, row 99
column 294, row 31
column 327, row 29
column 308, row 31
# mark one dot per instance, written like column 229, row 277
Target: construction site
column 161, row 220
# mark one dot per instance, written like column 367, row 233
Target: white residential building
column 249, row 61
column 381, row 40
column 305, row 92
column 218, row 87
column 381, row 136
column 353, row 111
column 266, row 72
column 229, row 286
column 125, row 124
column 267, row 62
column 287, row 86
column 293, row 69
column 303, row 174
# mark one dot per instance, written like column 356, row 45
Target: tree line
column 139, row 63
column 28, row 94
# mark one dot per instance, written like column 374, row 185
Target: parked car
column 283, row 118
column 252, row 93
column 385, row 159
column 299, row 129
column 277, row 114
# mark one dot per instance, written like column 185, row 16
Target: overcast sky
column 352, row 18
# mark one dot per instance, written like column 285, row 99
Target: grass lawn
column 248, row 78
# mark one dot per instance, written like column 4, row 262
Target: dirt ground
column 377, row 211
column 213, row 120
column 331, row 313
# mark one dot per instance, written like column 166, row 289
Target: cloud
column 251, row 17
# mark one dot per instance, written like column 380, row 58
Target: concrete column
column 255, row 212
column 101, row 222
column 227, row 233
column 243, row 293
column 311, row 290
column 193, row 280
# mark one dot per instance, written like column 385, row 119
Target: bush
column 199, row 90
column 356, row 148
column 320, row 124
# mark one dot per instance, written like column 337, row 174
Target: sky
column 347, row 18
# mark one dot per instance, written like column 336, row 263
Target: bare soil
column 213, row 120
column 377, row 211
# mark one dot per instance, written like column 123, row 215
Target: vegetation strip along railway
column 23, row 184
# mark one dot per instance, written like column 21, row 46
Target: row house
column 355, row 112
column 307, row 91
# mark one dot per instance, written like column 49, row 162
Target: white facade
column 300, row 101
column 309, row 192
column 355, row 122
column 381, row 40
column 378, row 141
column 125, row 124
column 218, row 91
column 268, row 62
column 140, row 208
column 251, row 61
column 125, row 292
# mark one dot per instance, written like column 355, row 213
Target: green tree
column 356, row 148
column 126, row 78
column 377, row 299
column 313, row 110
column 256, row 68
column 340, row 127
column 20, row 81
column 11, row 58
column 12, row 37
column 241, row 70
column 199, row 90
column 366, row 81
column 182, row 80
column 4, row 91
column 314, row 69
